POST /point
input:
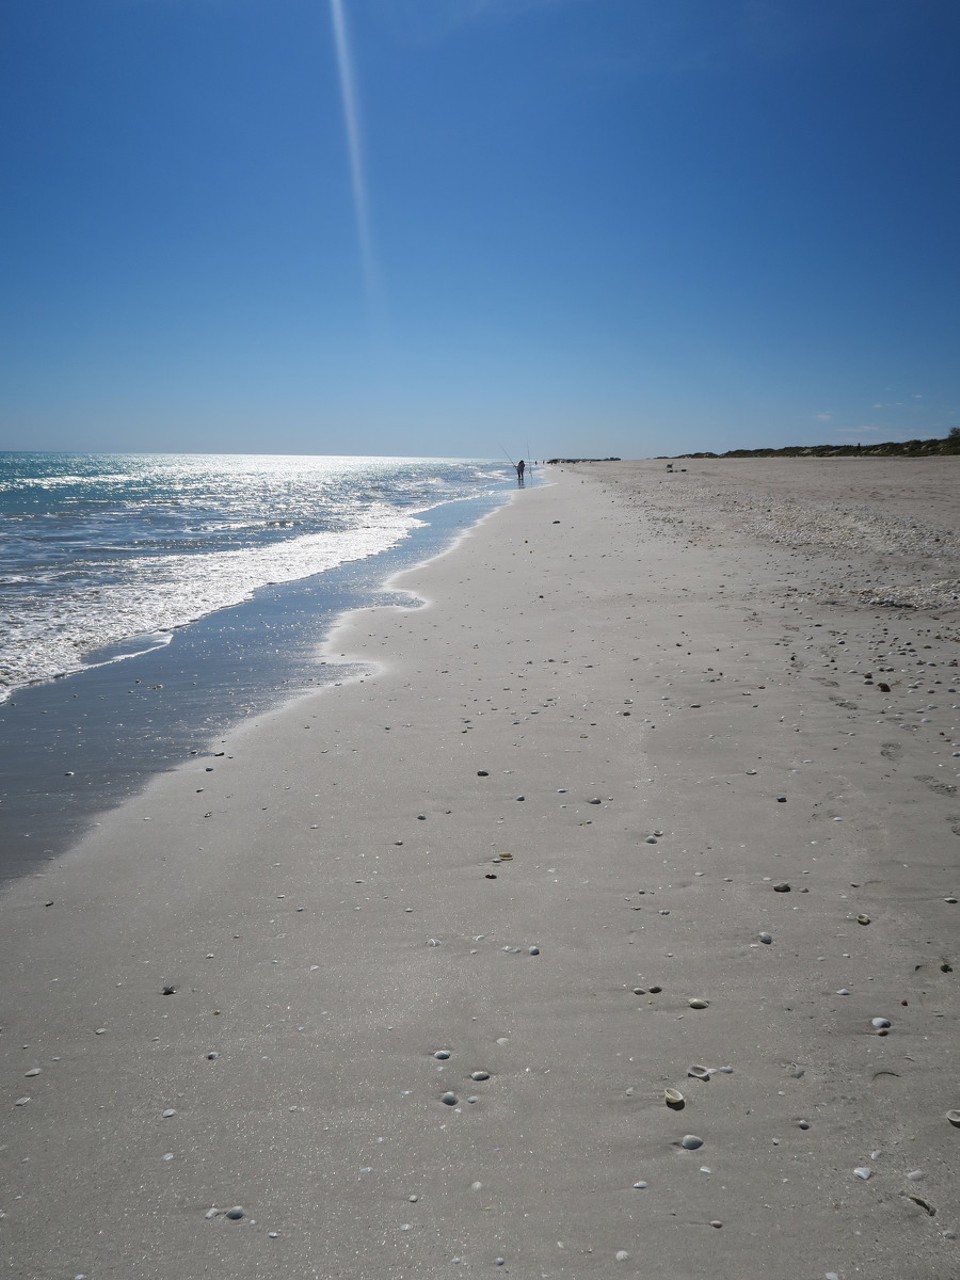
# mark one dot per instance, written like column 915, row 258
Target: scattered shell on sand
column 690, row 1142
column 881, row 1024
column 765, row 937
column 697, row 1002
column 863, row 1172
column 781, row 886
column 862, row 919
column 954, row 1118
column 674, row 1098
column 34, row 1071
column 698, row 1072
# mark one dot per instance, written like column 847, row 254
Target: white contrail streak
column 351, row 118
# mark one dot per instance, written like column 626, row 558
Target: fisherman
column 521, row 467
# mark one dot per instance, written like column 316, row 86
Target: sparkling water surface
column 103, row 555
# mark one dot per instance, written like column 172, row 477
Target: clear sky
column 572, row 227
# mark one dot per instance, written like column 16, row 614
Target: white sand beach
column 663, row 774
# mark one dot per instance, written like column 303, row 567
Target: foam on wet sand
column 398, row 984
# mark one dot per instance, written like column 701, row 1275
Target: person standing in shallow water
column 521, row 467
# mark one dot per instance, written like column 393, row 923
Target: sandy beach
column 656, row 790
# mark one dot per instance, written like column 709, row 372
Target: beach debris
column 952, row 1116
column 881, row 1024
column 727, row 1071
column 863, row 1172
column 168, row 1112
column 862, row 919
column 505, row 857
column 698, row 1072
column 595, row 800
column 236, row 1213
column 781, row 886
column 482, row 773
column 621, row 1255
column 690, row 1142
column 34, row 1071
column 169, row 990
column 213, row 1055
column 765, row 937
column 650, row 840
column 715, row 1222
column 674, row 1099
column 925, row 1205
column 697, row 1002
column 640, row 1186
column 22, row 1102
column 803, row 1124
column 781, row 799
column 449, row 1099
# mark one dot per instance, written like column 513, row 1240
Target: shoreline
column 658, row 713
column 75, row 747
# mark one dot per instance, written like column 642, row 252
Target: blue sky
column 574, row 226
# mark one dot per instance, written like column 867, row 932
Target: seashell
column 674, row 1098
column 881, row 1024
column 862, row 919
column 765, row 937
column 781, row 887
column 954, row 1118
column 697, row 1002
column 690, row 1142
column 863, row 1173
column 698, row 1072
column 505, row 857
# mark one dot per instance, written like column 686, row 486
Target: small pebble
column 715, row 1222
column 862, row 919
column 781, row 887
column 690, row 1142
column 881, row 1024
column 697, row 1002
column 442, row 1054
column 621, row 1255
column 236, row 1213
column 450, row 1099
column 168, row 1113
column 765, row 937
column 640, row 1186
column 863, row 1172
column 533, row 951
column 479, row 1075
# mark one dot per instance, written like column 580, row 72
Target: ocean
column 150, row 602
column 104, row 555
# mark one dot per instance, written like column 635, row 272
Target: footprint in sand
column 891, row 750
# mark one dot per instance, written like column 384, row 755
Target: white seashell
column 863, row 1172
column 674, row 1098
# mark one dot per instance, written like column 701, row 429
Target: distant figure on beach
column 521, row 467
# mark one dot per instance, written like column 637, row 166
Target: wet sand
column 667, row 697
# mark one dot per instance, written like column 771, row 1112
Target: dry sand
column 662, row 694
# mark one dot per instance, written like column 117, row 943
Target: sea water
column 180, row 596
column 103, row 556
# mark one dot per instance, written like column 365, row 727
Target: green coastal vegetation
column 889, row 449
